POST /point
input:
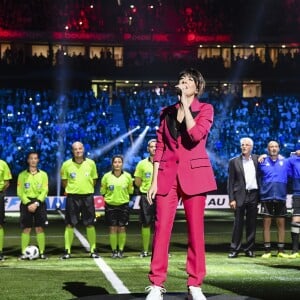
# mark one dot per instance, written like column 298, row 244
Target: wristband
column 37, row 203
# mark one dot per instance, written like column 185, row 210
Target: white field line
column 110, row 275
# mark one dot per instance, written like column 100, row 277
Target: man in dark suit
column 242, row 186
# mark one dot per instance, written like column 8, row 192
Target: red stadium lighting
column 133, row 8
column 191, row 37
column 188, row 11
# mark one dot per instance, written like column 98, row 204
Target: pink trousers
column 165, row 213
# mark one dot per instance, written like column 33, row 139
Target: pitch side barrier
column 59, row 202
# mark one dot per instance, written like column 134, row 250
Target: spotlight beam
column 98, row 152
column 62, row 104
column 134, row 148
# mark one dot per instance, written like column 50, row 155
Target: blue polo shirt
column 274, row 178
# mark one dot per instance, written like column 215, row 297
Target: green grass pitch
column 274, row 278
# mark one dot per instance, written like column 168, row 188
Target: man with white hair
column 243, row 186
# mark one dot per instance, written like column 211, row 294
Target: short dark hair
column 117, row 156
column 32, row 152
column 197, row 76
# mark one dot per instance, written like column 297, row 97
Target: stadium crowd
column 48, row 122
column 275, row 117
column 200, row 16
column 117, row 16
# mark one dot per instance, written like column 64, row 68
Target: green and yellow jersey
column 80, row 177
column 144, row 170
column 32, row 186
column 5, row 174
column 116, row 190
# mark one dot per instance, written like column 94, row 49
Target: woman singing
column 182, row 170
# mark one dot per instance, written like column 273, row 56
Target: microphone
column 178, row 91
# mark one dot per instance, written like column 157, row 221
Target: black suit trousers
column 245, row 214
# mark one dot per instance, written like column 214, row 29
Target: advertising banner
column 59, row 202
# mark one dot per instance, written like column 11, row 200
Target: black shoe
column 233, row 254
column 249, row 253
column 120, row 254
column 66, row 255
column 23, row 257
column 144, row 254
column 94, row 255
column 43, row 256
column 1, row 256
column 114, row 254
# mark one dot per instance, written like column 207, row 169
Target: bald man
column 79, row 175
column 275, row 170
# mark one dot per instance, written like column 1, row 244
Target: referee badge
column 111, row 187
column 26, row 185
column 73, row 175
column 148, row 174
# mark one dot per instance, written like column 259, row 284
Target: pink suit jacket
column 185, row 155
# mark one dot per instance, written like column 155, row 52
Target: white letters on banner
column 59, row 202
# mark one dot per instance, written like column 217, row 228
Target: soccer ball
column 32, row 252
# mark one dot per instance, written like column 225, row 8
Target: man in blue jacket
column 275, row 170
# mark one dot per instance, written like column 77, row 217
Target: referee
column 79, row 175
column 143, row 179
column 116, row 186
column 32, row 190
column 5, row 177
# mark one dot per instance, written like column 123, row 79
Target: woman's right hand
column 152, row 193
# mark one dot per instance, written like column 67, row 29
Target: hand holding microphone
column 178, row 91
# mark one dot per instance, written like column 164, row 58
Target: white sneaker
column 196, row 293
column 154, row 292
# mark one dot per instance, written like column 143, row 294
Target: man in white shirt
column 242, row 187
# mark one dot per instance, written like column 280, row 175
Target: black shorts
column 36, row 219
column 117, row 215
column 147, row 211
column 80, row 207
column 273, row 208
column 2, row 208
column 296, row 206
